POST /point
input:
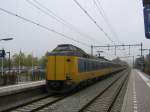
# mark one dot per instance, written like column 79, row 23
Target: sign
column 147, row 21
column 146, row 2
column 2, row 53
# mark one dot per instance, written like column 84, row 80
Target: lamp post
column 6, row 39
column 9, row 61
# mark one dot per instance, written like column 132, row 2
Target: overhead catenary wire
column 94, row 21
column 51, row 14
column 28, row 1
column 104, row 15
column 44, row 27
column 56, row 17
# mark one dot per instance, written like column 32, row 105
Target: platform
column 6, row 90
column 137, row 97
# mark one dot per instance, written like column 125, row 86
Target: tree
column 25, row 60
column 43, row 60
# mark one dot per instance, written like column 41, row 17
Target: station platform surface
column 137, row 97
column 19, row 87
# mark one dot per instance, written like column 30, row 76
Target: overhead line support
column 122, row 45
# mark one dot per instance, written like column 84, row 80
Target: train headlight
column 68, row 77
column 68, row 60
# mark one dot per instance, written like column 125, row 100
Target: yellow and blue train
column 69, row 67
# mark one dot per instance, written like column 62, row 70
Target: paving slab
column 137, row 98
column 6, row 90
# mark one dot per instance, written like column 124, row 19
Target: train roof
column 71, row 47
column 68, row 49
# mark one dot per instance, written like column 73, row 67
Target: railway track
column 107, row 94
column 106, row 101
column 15, row 95
column 37, row 104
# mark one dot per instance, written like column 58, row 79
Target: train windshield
column 62, row 48
column 65, row 48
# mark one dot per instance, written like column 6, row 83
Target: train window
column 81, row 67
column 85, row 66
column 73, row 48
column 108, row 64
column 99, row 65
column 61, row 48
column 96, row 65
column 89, row 65
column 102, row 65
column 93, row 65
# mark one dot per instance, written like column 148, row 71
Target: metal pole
column 9, row 62
column 2, row 66
column 32, row 64
column 129, row 49
column 33, row 77
column 92, row 50
column 142, row 67
column 19, row 63
column 115, row 50
column 133, row 61
column 18, row 77
column 141, row 49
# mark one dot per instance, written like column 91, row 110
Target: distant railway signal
column 2, row 53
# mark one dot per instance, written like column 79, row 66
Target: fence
column 16, row 78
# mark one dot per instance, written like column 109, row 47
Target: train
column 69, row 67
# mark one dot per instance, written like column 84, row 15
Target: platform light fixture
column 6, row 39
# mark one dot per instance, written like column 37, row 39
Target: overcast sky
column 125, row 16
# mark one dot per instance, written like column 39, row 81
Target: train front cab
column 60, row 72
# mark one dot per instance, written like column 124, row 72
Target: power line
column 57, row 18
column 103, row 14
column 93, row 20
column 42, row 26
column 28, row 1
column 50, row 13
